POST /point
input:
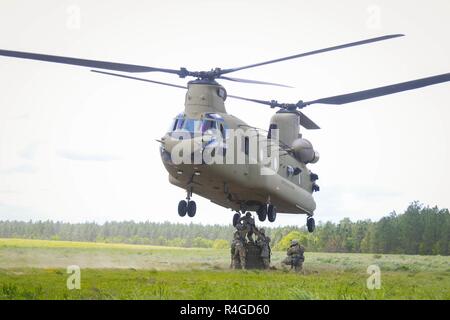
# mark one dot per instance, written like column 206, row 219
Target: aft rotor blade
column 85, row 63
column 382, row 91
column 304, row 120
column 140, row 79
column 254, row 82
column 307, row 122
column 310, row 53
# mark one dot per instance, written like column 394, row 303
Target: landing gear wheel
column 182, row 208
column 271, row 213
column 191, row 208
column 262, row 213
column 236, row 219
column 311, row 224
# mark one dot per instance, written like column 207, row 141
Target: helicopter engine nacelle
column 304, row 151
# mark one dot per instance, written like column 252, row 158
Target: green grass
column 35, row 269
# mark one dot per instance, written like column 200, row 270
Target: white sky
column 78, row 146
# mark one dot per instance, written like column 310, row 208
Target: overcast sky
column 78, row 146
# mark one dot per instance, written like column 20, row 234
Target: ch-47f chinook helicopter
column 204, row 126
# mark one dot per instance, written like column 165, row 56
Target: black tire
column 311, row 224
column 236, row 219
column 182, row 208
column 191, row 208
column 271, row 213
column 262, row 213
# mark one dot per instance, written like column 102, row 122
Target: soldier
column 238, row 253
column 263, row 242
column 295, row 257
column 246, row 226
column 241, row 230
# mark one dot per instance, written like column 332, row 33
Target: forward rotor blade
column 172, row 85
column 304, row 120
column 382, row 91
column 254, row 82
column 267, row 103
column 347, row 45
column 140, row 79
column 85, row 63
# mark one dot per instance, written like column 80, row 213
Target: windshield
column 196, row 126
column 208, row 125
column 187, row 125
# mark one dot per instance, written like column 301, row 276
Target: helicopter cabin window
column 289, row 171
column 272, row 126
column 246, row 145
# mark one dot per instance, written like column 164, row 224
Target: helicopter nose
column 182, row 147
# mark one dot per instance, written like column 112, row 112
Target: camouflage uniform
column 263, row 242
column 295, row 257
column 238, row 253
column 246, row 226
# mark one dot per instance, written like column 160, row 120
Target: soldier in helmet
column 246, row 226
column 263, row 242
column 241, row 230
column 238, row 252
column 295, row 257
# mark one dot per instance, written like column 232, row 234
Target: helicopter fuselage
column 285, row 182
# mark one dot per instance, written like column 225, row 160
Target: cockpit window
column 212, row 123
column 222, row 130
column 188, row 125
column 172, row 125
column 208, row 125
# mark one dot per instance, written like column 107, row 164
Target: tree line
column 419, row 230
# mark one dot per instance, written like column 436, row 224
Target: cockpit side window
column 174, row 125
column 222, row 131
column 179, row 124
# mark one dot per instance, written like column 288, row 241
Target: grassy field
column 36, row 269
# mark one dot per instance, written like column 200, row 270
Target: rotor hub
column 288, row 106
column 201, row 75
